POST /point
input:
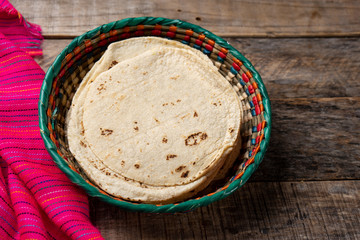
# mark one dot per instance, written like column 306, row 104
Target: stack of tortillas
column 154, row 121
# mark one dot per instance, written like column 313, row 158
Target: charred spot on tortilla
column 169, row 156
column 83, row 144
column 203, row 136
column 106, row 132
column 195, row 138
column 113, row 63
column 185, row 174
column 175, row 77
column 180, row 168
column 101, row 88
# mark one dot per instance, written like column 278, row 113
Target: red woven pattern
column 37, row 200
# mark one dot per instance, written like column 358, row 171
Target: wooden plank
column 312, row 138
column 287, row 210
column 304, row 67
column 261, row 18
column 51, row 48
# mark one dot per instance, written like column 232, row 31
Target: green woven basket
column 68, row 69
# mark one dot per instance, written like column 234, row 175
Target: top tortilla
column 163, row 118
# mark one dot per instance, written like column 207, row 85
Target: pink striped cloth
column 37, row 200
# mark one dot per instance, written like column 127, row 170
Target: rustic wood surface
column 324, row 147
column 261, row 18
column 263, row 210
column 308, row 186
column 290, row 67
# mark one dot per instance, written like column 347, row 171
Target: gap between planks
column 232, row 35
column 263, row 18
column 320, row 99
column 300, row 180
column 290, row 67
column 274, row 210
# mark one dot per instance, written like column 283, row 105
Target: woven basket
column 68, row 69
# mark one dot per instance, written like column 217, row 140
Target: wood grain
column 305, row 67
column 313, row 138
column 288, row 210
column 51, row 48
column 315, row 91
column 295, row 68
column 261, row 18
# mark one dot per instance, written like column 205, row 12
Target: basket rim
column 187, row 205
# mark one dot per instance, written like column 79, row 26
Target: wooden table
column 308, row 53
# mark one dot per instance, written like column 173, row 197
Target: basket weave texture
column 72, row 64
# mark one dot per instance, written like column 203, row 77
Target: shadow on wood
column 312, row 139
column 256, row 211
